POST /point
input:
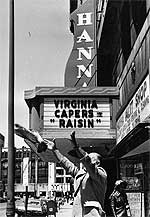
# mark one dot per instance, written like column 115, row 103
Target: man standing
column 90, row 182
column 119, row 201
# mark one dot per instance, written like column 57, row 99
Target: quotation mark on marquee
column 99, row 114
column 52, row 120
column 98, row 120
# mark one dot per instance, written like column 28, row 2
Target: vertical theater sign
column 81, row 66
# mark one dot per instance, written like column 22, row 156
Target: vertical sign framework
column 81, row 66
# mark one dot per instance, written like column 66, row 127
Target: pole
column 1, row 182
column 10, row 210
column 26, row 201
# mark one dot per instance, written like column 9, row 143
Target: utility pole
column 1, row 182
column 10, row 210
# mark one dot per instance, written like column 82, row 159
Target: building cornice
column 65, row 91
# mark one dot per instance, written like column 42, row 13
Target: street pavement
column 65, row 210
column 3, row 209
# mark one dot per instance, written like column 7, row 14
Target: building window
column 67, row 173
column 58, row 165
column 18, row 154
column 59, row 180
column 59, row 172
column 4, row 154
column 42, row 172
column 68, row 179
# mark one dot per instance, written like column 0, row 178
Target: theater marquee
column 76, row 113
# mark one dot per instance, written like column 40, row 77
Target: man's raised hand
column 50, row 144
column 73, row 139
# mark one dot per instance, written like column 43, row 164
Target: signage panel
column 63, row 187
column 136, row 111
column 136, row 202
column 82, row 64
column 76, row 113
column 25, row 171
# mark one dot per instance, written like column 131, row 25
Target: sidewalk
column 65, row 211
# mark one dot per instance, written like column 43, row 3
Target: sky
column 43, row 43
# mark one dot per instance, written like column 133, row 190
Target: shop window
column 132, row 172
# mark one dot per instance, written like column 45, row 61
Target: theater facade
column 105, row 98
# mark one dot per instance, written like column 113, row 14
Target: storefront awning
column 143, row 148
column 132, row 143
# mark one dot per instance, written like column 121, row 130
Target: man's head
column 95, row 158
column 120, row 184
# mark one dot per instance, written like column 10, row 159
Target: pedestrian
column 90, row 182
column 118, row 199
column 67, row 196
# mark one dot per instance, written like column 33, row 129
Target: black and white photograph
column 75, row 108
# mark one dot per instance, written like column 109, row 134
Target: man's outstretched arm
column 64, row 161
column 44, row 144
